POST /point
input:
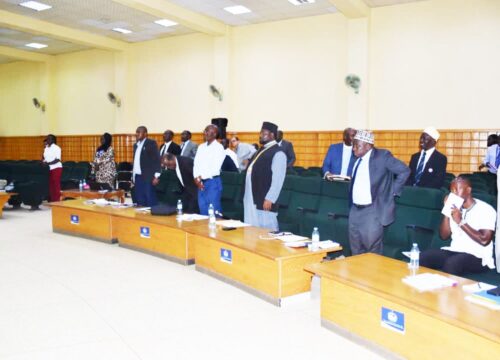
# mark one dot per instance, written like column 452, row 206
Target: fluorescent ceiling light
column 237, row 10
column 301, row 2
column 36, row 45
column 165, row 22
column 123, row 31
column 35, row 5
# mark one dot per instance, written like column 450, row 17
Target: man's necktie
column 420, row 170
column 353, row 179
column 497, row 160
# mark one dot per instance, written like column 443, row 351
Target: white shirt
column 361, row 189
column 51, row 153
column 428, row 154
column 208, row 160
column 137, row 158
column 165, row 148
column 480, row 216
column 233, row 157
column 346, row 159
column 178, row 172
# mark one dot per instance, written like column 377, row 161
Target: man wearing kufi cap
column 428, row 166
column 264, row 179
column 377, row 178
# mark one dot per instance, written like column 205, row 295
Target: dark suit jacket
column 434, row 170
column 172, row 149
column 333, row 160
column 387, row 178
column 190, row 191
column 150, row 159
column 287, row 147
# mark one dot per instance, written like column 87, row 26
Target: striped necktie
column 420, row 170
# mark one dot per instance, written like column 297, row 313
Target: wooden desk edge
column 95, row 238
column 315, row 269
column 157, row 254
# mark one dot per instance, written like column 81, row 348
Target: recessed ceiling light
column 122, row 31
column 165, row 22
column 35, row 5
column 237, row 10
column 302, row 2
column 36, row 45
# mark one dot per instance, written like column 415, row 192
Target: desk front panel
column 425, row 336
column 83, row 223
column 4, row 197
column 154, row 238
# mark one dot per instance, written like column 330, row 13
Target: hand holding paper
column 453, row 201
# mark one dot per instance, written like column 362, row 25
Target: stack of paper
column 99, row 202
column 193, row 217
column 328, row 244
column 291, row 238
column 477, row 287
column 428, row 281
column 483, row 298
column 231, row 223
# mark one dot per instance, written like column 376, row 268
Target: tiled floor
column 63, row 297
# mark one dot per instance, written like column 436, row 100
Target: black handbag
column 163, row 210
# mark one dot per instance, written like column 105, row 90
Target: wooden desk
column 4, row 197
column 438, row 325
column 92, row 194
column 265, row 268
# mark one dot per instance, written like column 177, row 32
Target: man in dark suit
column 188, row 148
column 377, row 177
column 428, row 167
column 183, row 166
column 169, row 146
column 339, row 159
column 146, row 168
column 287, row 147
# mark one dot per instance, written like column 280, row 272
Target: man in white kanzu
column 471, row 229
column 52, row 157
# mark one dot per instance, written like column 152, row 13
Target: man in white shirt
column 206, row 171
column 377, row 178
column 52, row 157
column 471, row 229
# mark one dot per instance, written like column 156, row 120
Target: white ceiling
column 100, row 16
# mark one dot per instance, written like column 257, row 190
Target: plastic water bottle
column 414, row 257
column 80, row 185
column 85, row 186
column 179, row 208
column 315, row 240
column 211, row 216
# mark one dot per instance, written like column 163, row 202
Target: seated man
column 471, row 229
column 428, row 166
column 339, row 159
column 492, row 157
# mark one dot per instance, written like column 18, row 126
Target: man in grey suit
column 188, row 148
column 377, row 178
column 287, row 147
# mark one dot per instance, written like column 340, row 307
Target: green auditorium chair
column 418, row 216
column 284, row 199
column 291, row 171
column 298, row 169
column 66, row 178
column 169, row 188
column 486, row 197
column 231, row 199
column 29, row 186
column 332, row 215
column 304, row 198
column 309, row 173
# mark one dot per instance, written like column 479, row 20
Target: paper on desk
column 99, row 202
column 193, row 217
column 297, row 244
column 327, row 244
column 428, row 281
column 143, row 209
column 452, row 201
column 476, row 287
column 291, row 237
column 231, row 223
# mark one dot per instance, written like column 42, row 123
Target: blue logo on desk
column 393, row 320
column 145, row 232
column 74, row 219
column 226, row 256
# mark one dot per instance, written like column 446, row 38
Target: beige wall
column 425, row 63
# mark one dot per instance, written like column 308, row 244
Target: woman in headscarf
column 103, row 165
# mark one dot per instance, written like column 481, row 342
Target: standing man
column 428, row 167
column 492, row 157
column 183, row 167
column 206, row 171
column 169, row 146
column 340, row 159
column 244, row 152
column 52, row 157
column 287, row 147
column 188, row 148
column 264, row 179
column 471, row 229
column 377, row 178
column 231, row 160
column 146, row 168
